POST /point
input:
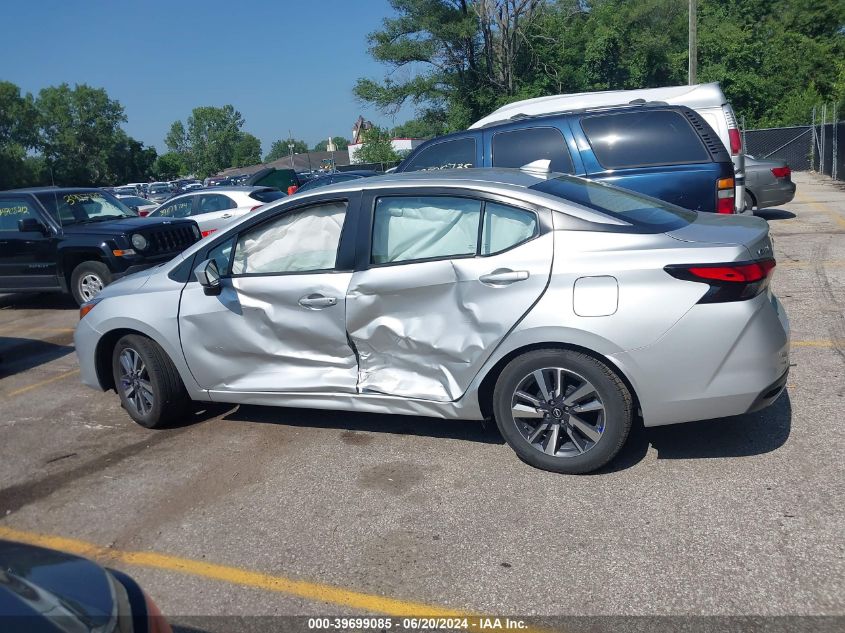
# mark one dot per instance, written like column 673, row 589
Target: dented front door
column 278, row 325
column 422, row 328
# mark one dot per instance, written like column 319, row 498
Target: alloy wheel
column 90, row 286
column 135, row 382
column 558, row 412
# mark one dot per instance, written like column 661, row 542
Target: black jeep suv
column 79, row 240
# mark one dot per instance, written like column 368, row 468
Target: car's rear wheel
column 749, row 203
column 88, row 279
column 147, row 382
column 562, row 410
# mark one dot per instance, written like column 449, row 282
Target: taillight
column 725, row 195
column 292, row 189
column 781, row 172
column 728, row 282
column 736, row 140
column 733, row 129
column 143, row 214
column 209, row 232
column 257, row 206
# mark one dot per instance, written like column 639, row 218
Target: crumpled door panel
column 255, row 336
column 423, row 330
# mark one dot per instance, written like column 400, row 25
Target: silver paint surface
column 427, row 334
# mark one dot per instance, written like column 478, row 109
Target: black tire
column 749, row 202
column 611, row 392
column 170, row 401
column 86, row 272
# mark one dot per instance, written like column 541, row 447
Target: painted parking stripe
column 43, row 383
column 236, row 576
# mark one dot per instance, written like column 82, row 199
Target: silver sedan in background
column 561, row 307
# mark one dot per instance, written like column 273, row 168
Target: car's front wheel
column 88, row 279
column 147, row 382
column 562, row 410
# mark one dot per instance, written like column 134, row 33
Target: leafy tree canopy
column 376, row 147
column 280, row 149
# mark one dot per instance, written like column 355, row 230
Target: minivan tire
column 86, row 277
column 147, row 382
column 610, row 392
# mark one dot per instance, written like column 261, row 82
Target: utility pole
column 290, row 148
column 693, row 40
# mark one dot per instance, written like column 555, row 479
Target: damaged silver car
column 561, row 307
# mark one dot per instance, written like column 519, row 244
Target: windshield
column 159, row 189
column 82, row 207
column 635, row 208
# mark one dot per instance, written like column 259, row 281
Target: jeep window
column 454, row 154
column 642, row 211
column 83, row 207
column 516, row 148
column 643, row 138
column 12, row 210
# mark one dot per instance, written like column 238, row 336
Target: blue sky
column 284, row 65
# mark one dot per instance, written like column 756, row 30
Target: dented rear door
column 445, row 278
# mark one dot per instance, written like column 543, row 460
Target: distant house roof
column 301, row 162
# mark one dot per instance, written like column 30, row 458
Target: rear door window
column 179, row 208
column 517, row 148
column 643, row 138
column 212, row 202
column 457, row 153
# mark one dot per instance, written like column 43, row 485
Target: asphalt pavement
column 282, row 511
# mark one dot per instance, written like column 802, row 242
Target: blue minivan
column 665, row 151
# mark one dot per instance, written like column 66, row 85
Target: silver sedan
column 561, row 307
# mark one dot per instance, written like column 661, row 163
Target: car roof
column 234, row 189
column 695, row 96
column 508, row 182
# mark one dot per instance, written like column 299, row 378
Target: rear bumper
column 719, row 360
column 774, row 194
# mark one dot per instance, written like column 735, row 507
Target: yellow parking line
column 824, row 342
column 837, row 219
column 233, row 575
column 17, row 392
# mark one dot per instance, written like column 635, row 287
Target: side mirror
column 209, row 277
column 32, row 225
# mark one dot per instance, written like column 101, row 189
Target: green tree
column 247, row 151
column 376, row 147
column 429, row 124
column 280, row 149
column 169, row 166
column 130, row 161
column 208, row 141
column 18, row 134
column 340, row 142
column 79, row 129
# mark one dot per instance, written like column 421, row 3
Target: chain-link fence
column 804, row 147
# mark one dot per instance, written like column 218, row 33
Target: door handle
column 503, row 276
column 316, row 301
column 226, row 215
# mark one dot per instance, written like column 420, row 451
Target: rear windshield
column 266, row 196
column 637, row 209
column 643, row 138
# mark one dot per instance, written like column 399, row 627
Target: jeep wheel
column 88, row 279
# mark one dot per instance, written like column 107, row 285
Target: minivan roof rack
column 519, row 116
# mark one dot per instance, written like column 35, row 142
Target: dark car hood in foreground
column 52, row 591
column 124, row 225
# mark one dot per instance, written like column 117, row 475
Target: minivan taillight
column 781, row 172
column 736, row 281
column 725, row 195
